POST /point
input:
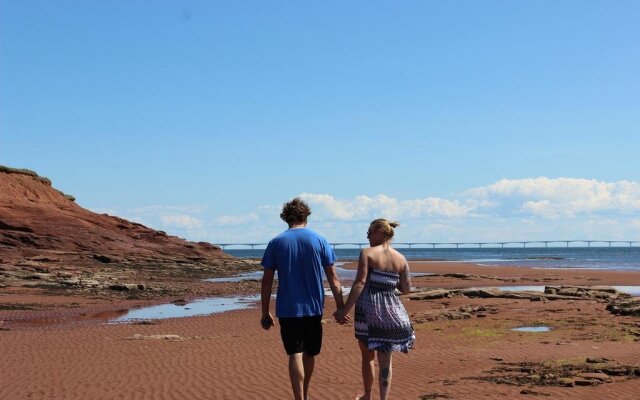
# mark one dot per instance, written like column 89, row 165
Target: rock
column 429, row 294
column 102, row 259
column 596, row 360
column 539, row 298
column 69, row 282
column 482, row 293
column 90, row 283
column 586, row 382
column 568, row 382
column 596, row 376
column 126, row 286
column 45, row 259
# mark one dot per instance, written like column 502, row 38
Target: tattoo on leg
column 385, row 376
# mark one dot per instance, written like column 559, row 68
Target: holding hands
column 341, row 317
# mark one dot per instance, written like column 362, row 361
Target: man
column 299, row 255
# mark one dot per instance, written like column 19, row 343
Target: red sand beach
column 228, row 355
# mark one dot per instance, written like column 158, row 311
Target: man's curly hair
column 295, row 212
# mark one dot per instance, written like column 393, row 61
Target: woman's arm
column 358, row 283
column 404, row 284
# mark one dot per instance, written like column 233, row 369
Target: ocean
column 610, row 258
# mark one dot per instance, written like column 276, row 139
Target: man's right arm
column 265, row 294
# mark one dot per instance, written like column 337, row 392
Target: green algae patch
column 484, row 332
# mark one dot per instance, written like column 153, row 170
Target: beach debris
column 180, row 302
column 534, row 393
column 147, row 322
column 171, row 338
column 434, row 395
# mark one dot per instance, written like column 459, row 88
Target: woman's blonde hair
column 384, row 226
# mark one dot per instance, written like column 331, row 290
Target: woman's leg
column 384, row 363
column 368, row 369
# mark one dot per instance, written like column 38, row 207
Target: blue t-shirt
column 299, row 255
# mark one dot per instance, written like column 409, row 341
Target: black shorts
column 301, row 335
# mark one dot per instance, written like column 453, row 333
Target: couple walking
column 381, row 322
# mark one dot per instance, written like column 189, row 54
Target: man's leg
column 313, row 344
column 309, row 363
column 368, row 369
column 297, row 376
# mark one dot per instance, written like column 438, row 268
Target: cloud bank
column 509, row 209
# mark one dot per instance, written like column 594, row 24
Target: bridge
column 457, row 245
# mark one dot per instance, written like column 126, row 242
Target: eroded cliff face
column 42, row 228
column 36, row 219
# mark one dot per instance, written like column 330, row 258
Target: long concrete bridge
column 457, row 245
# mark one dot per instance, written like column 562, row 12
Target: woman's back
column 385, row 258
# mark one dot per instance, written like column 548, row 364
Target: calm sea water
column 613, row 258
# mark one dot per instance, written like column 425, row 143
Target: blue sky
column 466, row 120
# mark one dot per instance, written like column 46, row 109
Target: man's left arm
column 334, row 284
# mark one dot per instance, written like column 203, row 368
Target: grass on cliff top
column 28, row 172
column 24, row 171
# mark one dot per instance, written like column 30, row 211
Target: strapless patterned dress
column 381, row 320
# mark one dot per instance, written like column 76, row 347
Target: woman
column 381, row 322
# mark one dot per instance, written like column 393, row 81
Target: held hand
column 340, row 317
column 266, row 321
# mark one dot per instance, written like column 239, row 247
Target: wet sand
column 68, row 352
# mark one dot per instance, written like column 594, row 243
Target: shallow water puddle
column 249, row 276
column 532, row 329
column 200, row 307
column 632, row 290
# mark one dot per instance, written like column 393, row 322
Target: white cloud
column 326, row 206
column 561, row 196
column 508, row 209
column 237, row 219
column 181, row 221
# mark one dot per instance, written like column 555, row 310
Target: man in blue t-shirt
column 299, row 255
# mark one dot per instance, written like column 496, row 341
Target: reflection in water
column 207, row 306
column 532, row 329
